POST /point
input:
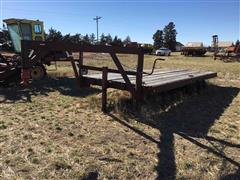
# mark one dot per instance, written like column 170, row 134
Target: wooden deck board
column 177, row 79
column 159, row 78
column 118, row 77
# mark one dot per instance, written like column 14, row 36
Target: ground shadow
column 232, row 176
column 190, row 119
column 65, row 85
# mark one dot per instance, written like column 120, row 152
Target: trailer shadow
column 190, row 119
column 65, row 85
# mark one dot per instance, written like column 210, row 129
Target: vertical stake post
column 80, row 63
column 104, row 88
column 139, row 76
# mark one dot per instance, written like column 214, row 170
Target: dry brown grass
column 52, row 130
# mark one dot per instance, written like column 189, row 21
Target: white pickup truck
column 163, row 52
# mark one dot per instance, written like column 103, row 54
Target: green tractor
column 10, row 62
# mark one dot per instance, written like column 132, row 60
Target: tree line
column 55, row 35
column 162, row 38
column 166, row 37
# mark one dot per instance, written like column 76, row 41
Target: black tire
column 38, row 72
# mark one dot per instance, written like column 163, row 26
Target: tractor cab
column 23, row 29
column 10, row 65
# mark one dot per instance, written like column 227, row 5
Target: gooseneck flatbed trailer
column 136, row 82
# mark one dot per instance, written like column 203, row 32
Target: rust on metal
column 136, row 82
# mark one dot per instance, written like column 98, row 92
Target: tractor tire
column 38, row 72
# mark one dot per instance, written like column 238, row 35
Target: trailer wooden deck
column 136, row 82
column 162, row 80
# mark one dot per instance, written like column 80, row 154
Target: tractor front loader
column 11, row 63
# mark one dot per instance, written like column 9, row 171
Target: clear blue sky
column 195, row 20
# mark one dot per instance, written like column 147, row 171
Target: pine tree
column 103, row 39
column 86, row 39
column 170, row 34
column 92, row 38
column 158, row 39
column 54, row 35
column 108, row 39
column 67, row 38
column 117, row 42
column 127, row 40
column 76, row 38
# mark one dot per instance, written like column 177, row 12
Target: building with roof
column 194, row 44
column 179, row 46
column 225, row 44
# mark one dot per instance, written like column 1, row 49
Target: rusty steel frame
column 227, row 58
column 40, row 49
column 36, row 51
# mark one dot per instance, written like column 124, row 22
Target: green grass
column 52, row 129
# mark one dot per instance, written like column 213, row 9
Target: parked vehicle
column 194, row 49
column 11, row 62
column 189, row 51
column 163, row 52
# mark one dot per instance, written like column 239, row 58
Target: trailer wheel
column 38, row 72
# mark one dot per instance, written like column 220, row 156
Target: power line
column 97, row 19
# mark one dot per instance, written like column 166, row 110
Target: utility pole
column 96, row 19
